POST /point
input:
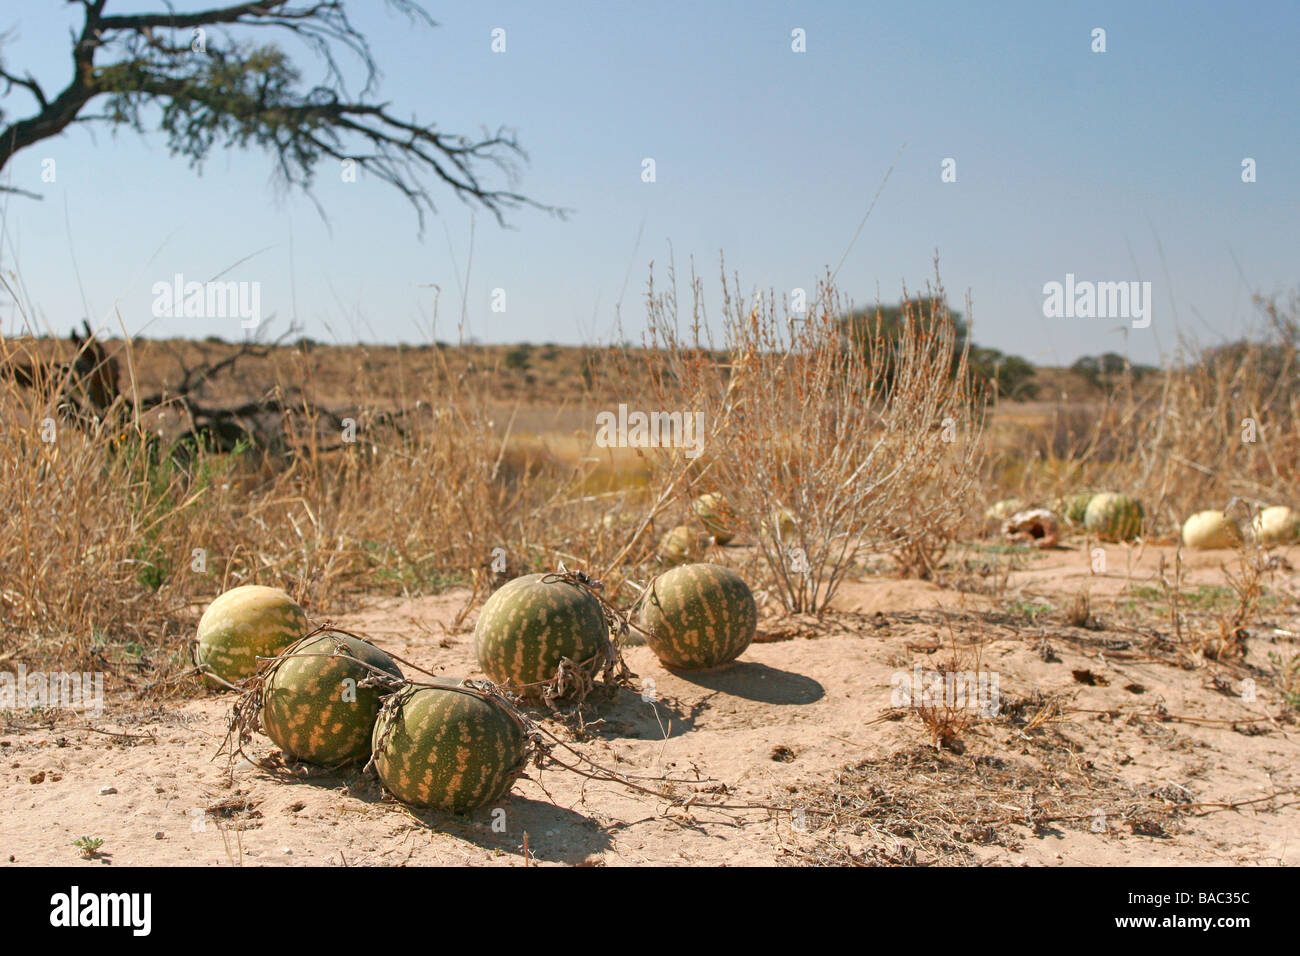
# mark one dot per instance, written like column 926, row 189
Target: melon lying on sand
column 716, row 516
column 1113, row 516
column 320, row 700
column 1277, row 525
column 243, row 624
column 447, row 748
column 530, row 624
column 1208, row 530
column 681, row 544
column 698, row 616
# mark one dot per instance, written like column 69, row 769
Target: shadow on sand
column 757, row 682
column 555, row 834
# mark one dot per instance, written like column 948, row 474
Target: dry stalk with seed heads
column 826, row 445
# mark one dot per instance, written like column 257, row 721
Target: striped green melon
column 681, row 544
column 527, row 626
column 716, row 516
column 243, row 624
column 447, row 749
column 1113, row 516
column 699, row 615
column 311, row 705
column 1277, row 525
column 1206, row 530
column 1074, row 507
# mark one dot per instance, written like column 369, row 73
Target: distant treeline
column 1011, row 375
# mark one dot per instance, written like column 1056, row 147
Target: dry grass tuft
column 929, row 807
column 828, row 445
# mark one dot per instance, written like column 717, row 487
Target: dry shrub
column 97, row 534
column 870, row 443
column 1247, row 584
column 956, row 695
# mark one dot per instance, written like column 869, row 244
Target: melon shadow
column 757, row 682
column 555, row 834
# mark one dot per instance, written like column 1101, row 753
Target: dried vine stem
column 574, row 681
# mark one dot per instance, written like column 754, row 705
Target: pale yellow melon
column 243, row 624
column 1277, row 525
column 1207, row 530
column 1003, row 510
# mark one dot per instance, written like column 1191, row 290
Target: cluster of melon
column 686, row 543
column 694, row 616
column 331, row 698
column 1270, row 527
column 1112, row 516
column 1107, row 515
column 718, row 525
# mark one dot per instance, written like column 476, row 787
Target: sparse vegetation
column 839, row 461
column 88, row 847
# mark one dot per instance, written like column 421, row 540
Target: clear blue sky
column 1068, row 161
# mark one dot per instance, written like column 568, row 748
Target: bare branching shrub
column 1079, row 612
column 1247, row 584
column 827, row 445
column 955, row 695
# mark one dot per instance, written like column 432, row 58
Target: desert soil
column 1124, row 737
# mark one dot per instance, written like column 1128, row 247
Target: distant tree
column 1012, row 375
column 519, row 357
column 190, row 76
column 1102, row 371
column 1276, row 363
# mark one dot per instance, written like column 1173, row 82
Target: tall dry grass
column 826, row 446
column 113, row 537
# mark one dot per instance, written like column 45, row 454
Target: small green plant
column 1000, row 548
column 1028, row 611
column 1204, row 597
column 88, row 846
column 1288, row 677
column 152, row 567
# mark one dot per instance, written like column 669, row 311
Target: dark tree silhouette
column 193, row 77
column 1011, row 374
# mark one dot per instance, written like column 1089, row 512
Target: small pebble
column 105, row 791
column 160, row 835
column 286, row 851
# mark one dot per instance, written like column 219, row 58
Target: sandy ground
column 770, row 731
